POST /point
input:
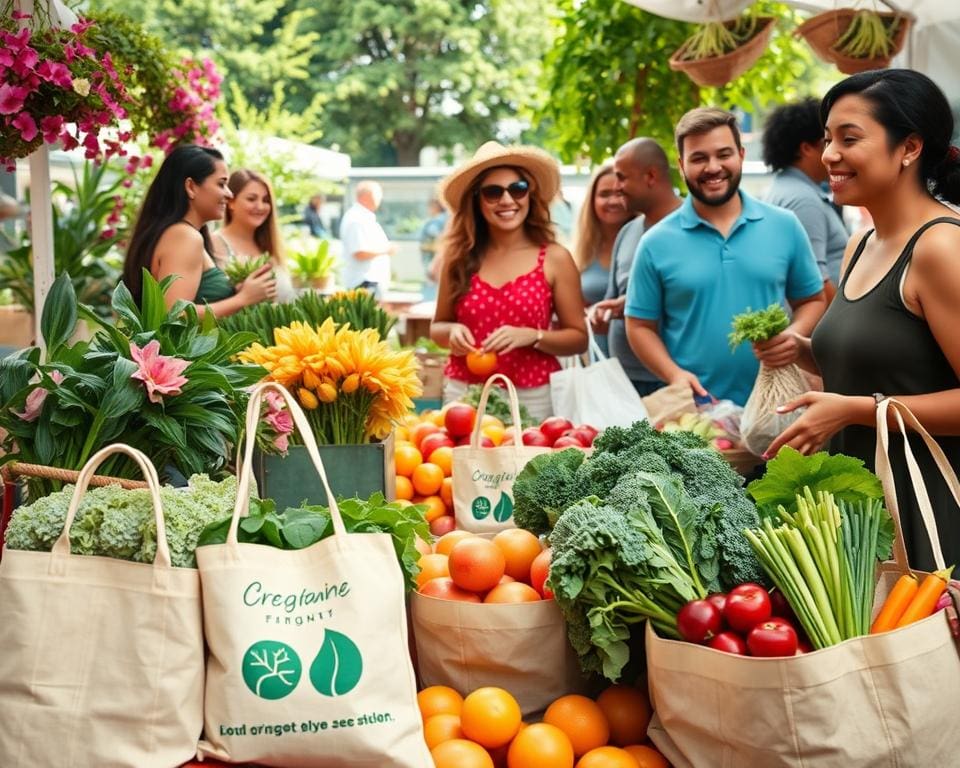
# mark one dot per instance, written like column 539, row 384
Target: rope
column 19, row 469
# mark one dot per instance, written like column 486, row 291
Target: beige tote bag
column 483, row 477
column 309, row 662
column 101, row 660
column 887, row 700
column 522, row 648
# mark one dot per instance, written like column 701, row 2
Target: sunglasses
column 493, row 192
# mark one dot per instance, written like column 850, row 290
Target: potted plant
column 856, row 40
column 313, row 265
column 720, row 51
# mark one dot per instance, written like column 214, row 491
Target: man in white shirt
column 366, row 249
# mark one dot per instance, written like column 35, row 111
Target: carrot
column 926, row 598
column 895, row 604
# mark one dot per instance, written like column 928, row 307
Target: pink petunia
column 25, row 124
column 26, row 61
column 35, row 400
column 12, row 98
column 51, row 127
column 161, row 374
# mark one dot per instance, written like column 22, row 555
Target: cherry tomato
column 729, row 642
column 747, row 605
column 481, row 363
column 698, row 621
column 775, row 637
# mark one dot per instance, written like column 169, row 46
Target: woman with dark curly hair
column 504, row 275
column 891, row 330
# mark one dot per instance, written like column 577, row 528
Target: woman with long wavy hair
column 507, row 286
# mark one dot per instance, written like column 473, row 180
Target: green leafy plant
column 869, row 36
column 498, row 404
column 313, row 261
column 239, row 270
column 163, row 381
column 760, row 325
column 717, row 38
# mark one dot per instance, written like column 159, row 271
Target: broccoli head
column 545, row 487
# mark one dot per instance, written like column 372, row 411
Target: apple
column 459, row 420
column 584, row 436
column 433, row 441
column 443, row 524
column 533, row 436
column 554, row 427
column 592, row 430
column 567, row 441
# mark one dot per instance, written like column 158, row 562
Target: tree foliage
column 609, row 80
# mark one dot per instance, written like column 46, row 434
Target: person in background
column 717, row 255
column 311, row 217
column 891, row 330
column 429, row 238
column 602, row 215
column 792, row 144
column 643, row 179
column 252, row 230
column 170, row 236
column 366, row 249
column 505, row 276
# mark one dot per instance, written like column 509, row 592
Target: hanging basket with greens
column 856, row 40
column 720, row 51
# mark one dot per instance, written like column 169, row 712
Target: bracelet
column 879, row 397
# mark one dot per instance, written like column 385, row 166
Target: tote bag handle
column 514, row 410
column 62, row 545
column 244, row 470
column 905, row 417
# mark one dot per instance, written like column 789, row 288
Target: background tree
column 609, row 81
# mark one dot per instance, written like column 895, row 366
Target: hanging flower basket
column 824, row 31
column 715, row 71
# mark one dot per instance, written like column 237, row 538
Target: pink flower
column 35, row 400
column 52, row 127
column 56, row 73
column 281, row 421
column 25, row 62
column 25, row 124
column 12, row 98
column 281, row 443
column 275, row 401
column 160, row 373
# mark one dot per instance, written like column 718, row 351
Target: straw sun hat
column 535, row 162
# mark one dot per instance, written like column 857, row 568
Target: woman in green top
column 171, row 237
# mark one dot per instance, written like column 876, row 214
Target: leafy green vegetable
column 239, row 269
column 844, row 477
column 298, row 528
column 498, row 404
column 756, row 326
column 546, row 486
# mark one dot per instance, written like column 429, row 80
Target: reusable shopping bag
column 101, row 660
column 309, row 663
column 599, row 394
column 522, row 648
column 881, row 700
column 760, row 423
column 483, row 477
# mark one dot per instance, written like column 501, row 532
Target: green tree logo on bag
column 338, row 666
column 480, row 508
column 271, row 669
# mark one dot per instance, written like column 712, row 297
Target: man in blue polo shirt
column 721, row 253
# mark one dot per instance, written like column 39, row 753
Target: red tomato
column 433, row 441
column 585, row 436
column 728, row 642
column 567, row 441
column 747, row 605
column 773, row 638
column 533, row 436
column 539, row 570
column 592, row 430
column 779, row 606
column 443, row 588
column 719, row 600
column 698, row 621
column 481, row 363
column 443, row 524
column 459, row 420
column 554, row 427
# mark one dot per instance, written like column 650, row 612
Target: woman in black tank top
column 891, row 330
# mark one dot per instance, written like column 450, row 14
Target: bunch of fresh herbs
column 760, row 325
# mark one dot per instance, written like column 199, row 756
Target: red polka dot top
column 525, row 302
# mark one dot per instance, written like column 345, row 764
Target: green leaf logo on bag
column 271, row 669
column 503, row 511
column 480, row 508
column 338, row 666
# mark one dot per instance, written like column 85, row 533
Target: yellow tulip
column 351, row 383
column 310, row 379
column 307, row 399
column 327, row 393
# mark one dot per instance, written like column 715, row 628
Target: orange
column 520, row 548
column 646, row 757
column 435, row 507
column 490, row 716
column 432, row 567
column 607, row 757
column 404, row 487
column 427, row 479
column 446, row 492
column 628, row 712
column 460, row 753
column 481, row 363
column 512, row 592
column 441, row 728
column 420, row 431
column 495, row 433
column 443, row 458
column 540, row 745
column 436, row 417
column 439, row 700
column 407, row 458
column 476, row 564
column 445, row 543
column 582, row 720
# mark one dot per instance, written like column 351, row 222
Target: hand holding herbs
column 761, row 325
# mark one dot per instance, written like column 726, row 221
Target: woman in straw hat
column 507, row 286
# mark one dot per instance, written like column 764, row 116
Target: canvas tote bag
column 101, row 660
column 309, row 662
column 483, row 477
column 521, row 647
column 599, row 394
column 886, row 700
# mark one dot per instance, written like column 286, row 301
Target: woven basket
column 823, row 30
column 720, row 70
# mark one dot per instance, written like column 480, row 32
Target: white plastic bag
column 760, row 423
